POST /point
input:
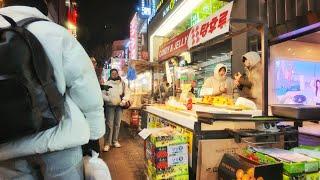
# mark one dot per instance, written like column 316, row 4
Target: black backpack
column 29, row 99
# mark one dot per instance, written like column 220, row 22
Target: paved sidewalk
column 126, row 163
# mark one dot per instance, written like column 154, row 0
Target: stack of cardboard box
column 166, row 155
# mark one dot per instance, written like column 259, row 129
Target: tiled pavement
column 126, row 163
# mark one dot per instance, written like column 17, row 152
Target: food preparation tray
column 301, row 112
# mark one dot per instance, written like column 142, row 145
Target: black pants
column 92, row 145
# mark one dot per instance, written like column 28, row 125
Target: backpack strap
column 123, row 88
column 9, row 20
column 42, row 65
column 27, row 21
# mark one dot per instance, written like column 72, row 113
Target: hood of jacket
column 216, row 72
column 253, row 58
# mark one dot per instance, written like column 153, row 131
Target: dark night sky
column 102, row 21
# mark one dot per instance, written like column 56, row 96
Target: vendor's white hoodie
column 216, row 82
column 75, row 77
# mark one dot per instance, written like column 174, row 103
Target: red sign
column 215, row 25
column 174, row 46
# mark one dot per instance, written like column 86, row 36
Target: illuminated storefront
column 72, row 16
column 180, row 25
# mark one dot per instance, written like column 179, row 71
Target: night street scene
column 159, row 89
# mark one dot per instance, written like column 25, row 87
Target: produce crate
column 167, row 156
column 291, row 169
column 311, row 176
column 177, row 172
column 235, row 166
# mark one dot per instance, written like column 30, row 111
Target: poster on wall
column 213, row 26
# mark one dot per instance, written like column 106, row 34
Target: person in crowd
column 221, row 84
column 193, row 87
column 250, row 84
column 116, row 98
column 56, row 153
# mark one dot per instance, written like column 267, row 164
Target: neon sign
column 145, row 10
column 169, row 7
column 133, row 46
column 160, row 4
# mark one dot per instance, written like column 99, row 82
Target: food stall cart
column 211, row 135
column 214, row 131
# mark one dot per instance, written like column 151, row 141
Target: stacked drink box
column 167, row 155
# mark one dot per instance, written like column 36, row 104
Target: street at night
column 159, row 89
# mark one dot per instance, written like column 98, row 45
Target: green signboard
column 204, row 10
column 207, row 8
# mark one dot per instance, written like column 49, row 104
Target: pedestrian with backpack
column 50, row 99
column 117, row 99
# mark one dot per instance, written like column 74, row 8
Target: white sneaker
column 106, row 148
column 116, row 144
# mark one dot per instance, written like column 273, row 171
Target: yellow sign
column 160, row 4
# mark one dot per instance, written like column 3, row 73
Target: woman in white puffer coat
column 57, row 149
column 116, row 97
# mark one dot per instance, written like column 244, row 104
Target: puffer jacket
column 75, row 77
column 251, row 84
column 112, row 97
column 216, row 82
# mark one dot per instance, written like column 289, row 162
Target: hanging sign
column 174, row 46
column 213, row 26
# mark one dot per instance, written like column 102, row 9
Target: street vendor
column 219, row 84
column 250, row 84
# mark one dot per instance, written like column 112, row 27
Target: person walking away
column 220, row 84
column 250, row 84
column 116, row 98
column 55, row 153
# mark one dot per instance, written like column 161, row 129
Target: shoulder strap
column 42, row 65
column 25, row 22
column 123, row 88
column 9, row 20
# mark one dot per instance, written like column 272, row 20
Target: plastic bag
column 131, row 74
column 95, row 168
column 246, row 102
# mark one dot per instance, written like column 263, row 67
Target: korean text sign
column 213, row 26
